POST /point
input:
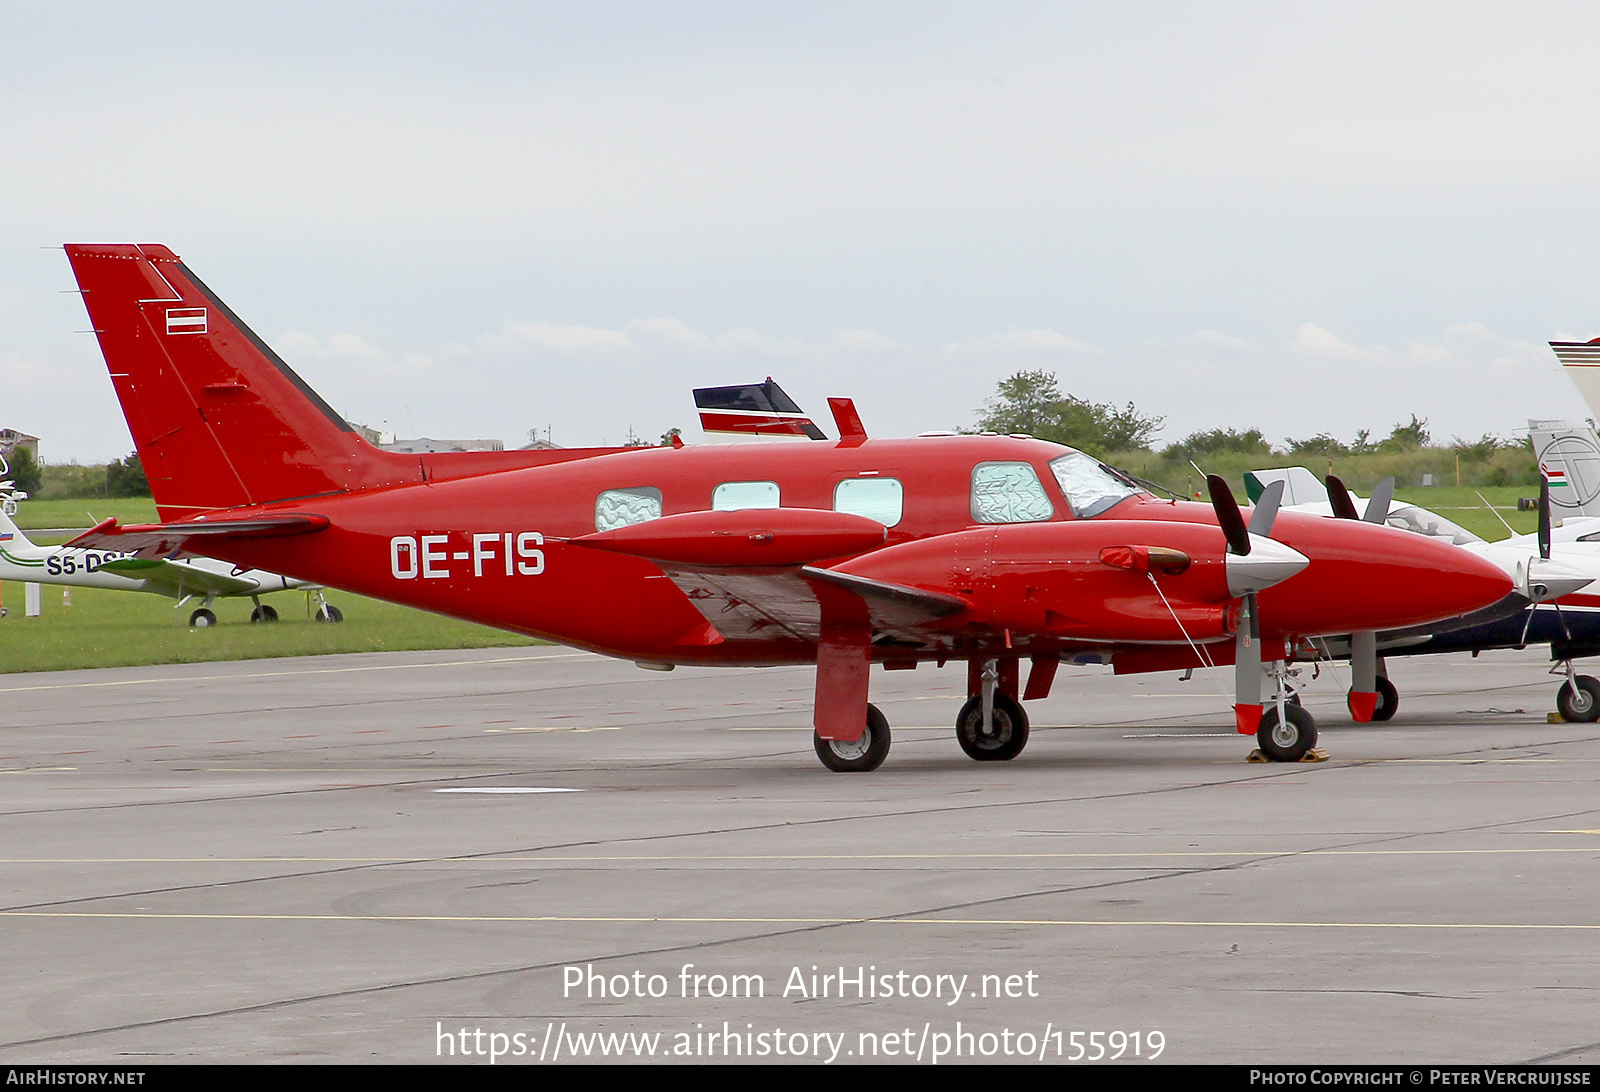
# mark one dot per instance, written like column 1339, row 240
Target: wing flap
column 763, row 604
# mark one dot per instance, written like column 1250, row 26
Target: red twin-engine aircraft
column 985, row 549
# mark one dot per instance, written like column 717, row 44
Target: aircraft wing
column 756, row 574
column 178, row 579
column 169, row 540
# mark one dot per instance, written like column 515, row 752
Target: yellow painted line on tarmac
column 648, row 919
column 303, row 671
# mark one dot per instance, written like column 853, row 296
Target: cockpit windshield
column 1424, row 522
column 1090, row 486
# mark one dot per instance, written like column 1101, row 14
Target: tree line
column 122, row 478
column 1031, row 403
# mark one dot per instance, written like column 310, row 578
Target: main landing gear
column 1388, row 696
column 1002, row 739
column 1578, row 700
column 860, row 755
column 992, row 726
column 326, row 611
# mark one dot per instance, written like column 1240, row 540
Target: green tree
column 1408, row 437
column 1322, row 445
column 126, row 478
column 1219, row 441
column 25, row 473
column 1483, row 448
column 1031, row 403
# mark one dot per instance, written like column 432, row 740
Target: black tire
column 202, row 619
column 1583, row 705
column 1289, row 741
column 1386, row 705
column 1010, row 733
column 858, row 756
column 329, row 613
column 1388, row 701
column 264, row 613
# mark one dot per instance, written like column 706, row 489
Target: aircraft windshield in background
column 982, row 549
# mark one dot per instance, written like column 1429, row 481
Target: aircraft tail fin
column 11, row 536
column 218, row 419
column 1569, row 459
column 1581, row 361
column 753, row 411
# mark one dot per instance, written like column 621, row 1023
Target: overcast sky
column 473, row 220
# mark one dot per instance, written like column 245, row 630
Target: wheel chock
column 1316, row 754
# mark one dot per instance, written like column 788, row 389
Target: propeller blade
column 1247, row 669
column 1544, row 517
column 1378, row 504
column 1229, row 518
column 1266, row 510
column 1339, row 499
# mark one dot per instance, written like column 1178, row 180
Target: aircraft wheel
column 1581, row 705
column 264, row 613
column 858, row 755
column 1288, row 741
column 1010, row 733
column 329, row 613
column 1388, row 701
column 202, row 619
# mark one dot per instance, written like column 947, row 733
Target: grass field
column 1461, row 505
column 84, row 512
column 119, row 629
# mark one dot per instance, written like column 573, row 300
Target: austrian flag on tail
column 186, row 320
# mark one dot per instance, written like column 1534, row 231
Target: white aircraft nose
column 1269, row 562
column 1548, row 579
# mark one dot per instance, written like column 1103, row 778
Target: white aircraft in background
column 1553, row 576
column 196, row 578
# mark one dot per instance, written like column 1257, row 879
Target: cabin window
column 621, row 507
column 1008, row 493
column 881, row 499
column 1090, row 487
column 731, row 496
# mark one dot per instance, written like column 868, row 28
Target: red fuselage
column 494, row 548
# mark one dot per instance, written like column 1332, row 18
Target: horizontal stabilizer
column 177, row 539
column 772, row 537
column 753, row 411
